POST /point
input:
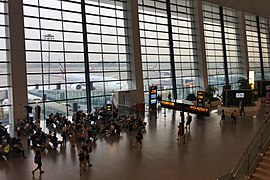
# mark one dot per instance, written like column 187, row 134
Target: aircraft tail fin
column 63, row 71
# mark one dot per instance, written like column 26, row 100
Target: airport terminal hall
column 134, row 89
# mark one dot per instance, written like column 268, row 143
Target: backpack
column 189, row 118
column 81, row 156
column 141, row 136
column 36, row 160
column 89, row 149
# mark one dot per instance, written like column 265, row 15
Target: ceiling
column 256, row 7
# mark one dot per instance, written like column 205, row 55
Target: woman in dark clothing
column 37, row 160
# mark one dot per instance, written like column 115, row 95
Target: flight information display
column 200, row 98
column 153, row 98
column 203, row 111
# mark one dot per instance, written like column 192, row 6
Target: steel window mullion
column 170, row 33
column 86, row 57
column 224, row 46
column 260, row 46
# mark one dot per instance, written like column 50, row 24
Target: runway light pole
column 49, row 37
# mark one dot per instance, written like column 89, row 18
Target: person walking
column 242, row 110
column 82, row 161
column 222, row 116
column 233, row 116
column 86, row 147
column 37, row 160
column 139, row 138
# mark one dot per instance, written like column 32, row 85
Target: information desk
column 185, row 107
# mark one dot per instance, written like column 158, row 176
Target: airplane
column 96, row 82
column 165, row 81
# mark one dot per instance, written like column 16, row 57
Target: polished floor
column 211, row 151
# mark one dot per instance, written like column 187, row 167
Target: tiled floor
column 211, row 151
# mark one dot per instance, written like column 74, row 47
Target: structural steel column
column 16, row 45
column 224, row 46
column 86, row 58
column 133, row 33
column 260, row 46
column 169, row 16
column 243, row 45
column 200, row 42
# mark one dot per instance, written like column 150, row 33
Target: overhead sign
column 186, row 108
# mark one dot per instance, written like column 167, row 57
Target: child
column 179, row 132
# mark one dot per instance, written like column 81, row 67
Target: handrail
column 256, row 147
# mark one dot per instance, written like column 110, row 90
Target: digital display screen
column 153, row 96
column 153, row 101
column 109, row 107
column 186, row 108
column 240, row 95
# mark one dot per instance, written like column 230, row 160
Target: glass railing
column 252, row 155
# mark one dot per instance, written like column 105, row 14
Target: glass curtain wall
column 55, row 52
column 213, row 45
column 156, row 51
column 253, row 46
column 108, row 48
column 185, row 57
column 5, row 87
column 265, row 41
column 232, row 39
column 155, row 46
column 54, row 55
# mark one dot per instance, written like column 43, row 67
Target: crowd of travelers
column 10, row 147
column 82, row 128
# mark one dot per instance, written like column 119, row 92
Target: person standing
column 182, row 120
column 37, row 160
column 242, row 110
column 266, row 117
column 73, row 135
column 179, row 132
column 170, row 96
column 189, row 119
column 222, row 116
column 64, row 134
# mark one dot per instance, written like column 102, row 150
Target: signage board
column 200, row 98
column 203, row 111
column 153, row 98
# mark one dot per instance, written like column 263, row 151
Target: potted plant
column 243, row 83
column 209, row 96
column 191, row 97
